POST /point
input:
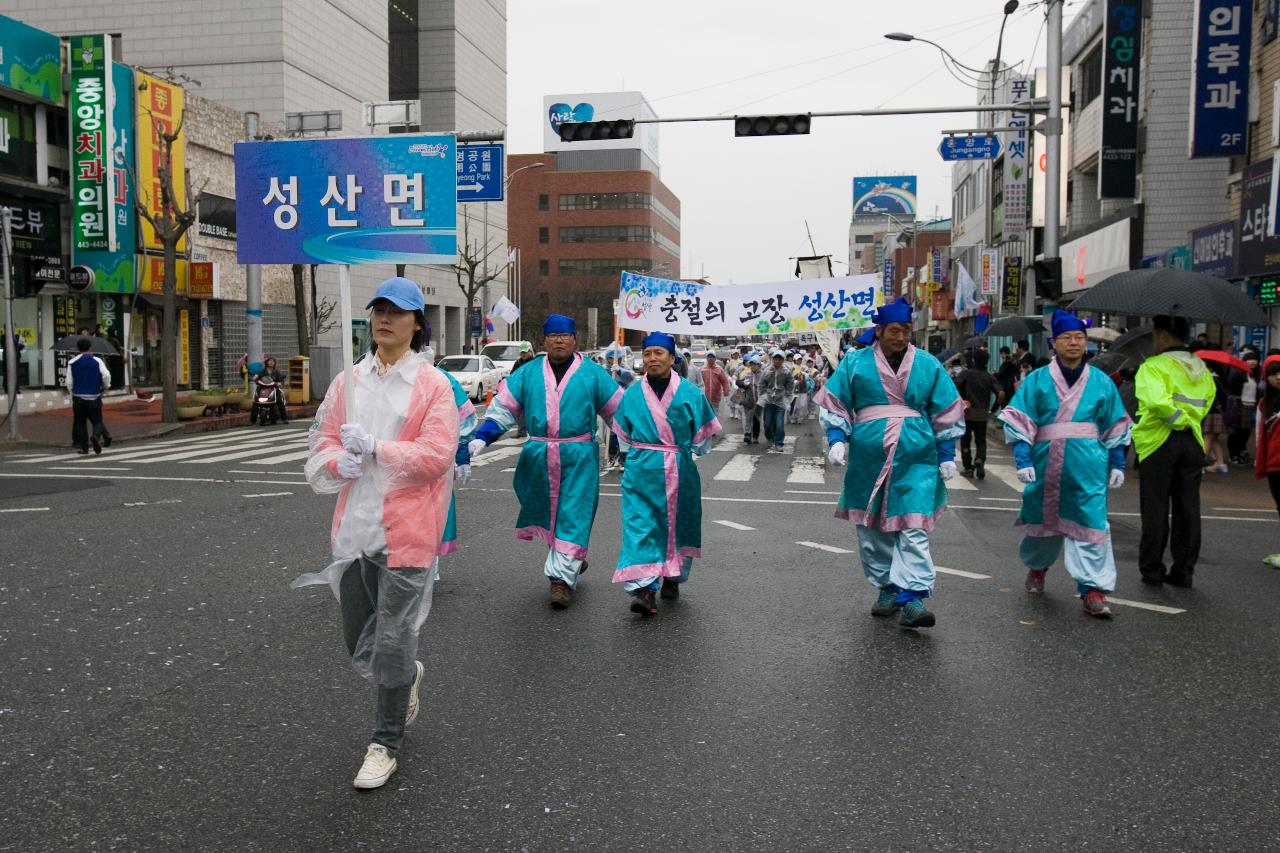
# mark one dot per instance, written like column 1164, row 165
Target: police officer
column 1174, row 391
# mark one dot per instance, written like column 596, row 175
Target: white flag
column 506, row 310
column 511, row 256
column 967, row 300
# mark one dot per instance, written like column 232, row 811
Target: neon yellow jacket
column 1175, row 391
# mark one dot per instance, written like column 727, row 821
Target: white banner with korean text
column 785, row 307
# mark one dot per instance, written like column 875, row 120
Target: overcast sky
column 745, row 201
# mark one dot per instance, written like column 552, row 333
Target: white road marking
column 958, row 573
column 1142, row 605
column 733, row 524
column 268, row 495
column 961, row 484
column 276, row 460
column 175, row 453
column 274, row 473
column 260, row 482
column 1003, row 500
column 1240, row 509
column 490, row 456
column 729, row 443
column 1007, row 475
column 807, row 469
column 508, row 470
column 803, row 492
column 27, row 509
column 789, row 444
column 79, row 468
column 154, row 503
column 740, row 468
column 829, row 548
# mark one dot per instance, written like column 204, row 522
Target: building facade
column 577, row 222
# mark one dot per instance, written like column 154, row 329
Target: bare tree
column 170, row 222
column 472, row 268
column 300, row 309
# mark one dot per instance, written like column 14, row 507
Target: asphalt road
column 163, row 689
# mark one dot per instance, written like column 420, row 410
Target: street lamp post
column 506, row 184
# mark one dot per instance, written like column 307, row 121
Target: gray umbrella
column 97, row 346
column 1179, row 293
column 1110, row 362
column 1018, row 327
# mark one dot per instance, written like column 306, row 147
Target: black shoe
column 980, row 468
column 670, row 588
column 97, row 446
column 1183, row 581
column 106, row 440
column 83, row 452
column 966, row 472
column 583, row 570
column 643, row 602
column 1153, row 580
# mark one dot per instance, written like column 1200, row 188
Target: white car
column 477, row 374
column 505, row 353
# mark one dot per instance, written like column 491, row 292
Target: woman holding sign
column 391, row 464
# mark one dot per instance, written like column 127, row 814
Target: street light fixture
column 943, row 50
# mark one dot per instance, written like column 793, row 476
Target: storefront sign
column 887, row 285
column 204, row 280
column 990, row 268
column 153, row 275
column 1091, row 258
column 1256, row 253
column 1122, row 51
column 184, row 347
column 377, row 199
column 1220, row 77
column 217, row 216
column 30, row 61
column 64, row 323
column 1017, row 157
column 1213, row 249
column 80, row 278
column 1011, row 298
column 36, row 228
column 92, row 196
column 114, row 270
column 160, row 106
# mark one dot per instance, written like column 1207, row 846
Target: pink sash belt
column 875, row 413
column 586, row 436
column 1051, row 432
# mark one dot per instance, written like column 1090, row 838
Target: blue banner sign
column 368, row 200
column 890, row 289
column 1220, row 77
column 481, row 172
column 1213, row 249
column 984, row 147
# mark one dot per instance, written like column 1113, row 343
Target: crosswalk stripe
column 1006, row 475
column 144, row 457
column 189, row 446
column 227, row 457
column 828, row 548
column 733, row 524
column 490, row 456
column 49, row 457
column 807, row 469
column 288, row 457
column 789, row 444
column 1142, row 605
column 740, row 468
column 958, row 573
column 729, row 443
column 961, row 484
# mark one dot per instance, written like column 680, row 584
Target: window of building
column 18, row 156
column 1088, row 79
column 603, row 266
column 544, row 202
column 864, row 238
column 603, row 201
column 606, row 234
column 544, row 235
column 544, row 267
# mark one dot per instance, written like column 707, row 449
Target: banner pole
column 348, row 349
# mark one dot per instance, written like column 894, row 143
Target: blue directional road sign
column 984, row 147
column 482, row 170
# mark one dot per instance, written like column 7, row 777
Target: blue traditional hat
column 1064, row 322
column 400, row 292
column 660, row 339
column 867, row 338
column 559, row 324
column 898, row 311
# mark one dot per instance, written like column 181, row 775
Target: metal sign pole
column 11, row 332
column 348, row 350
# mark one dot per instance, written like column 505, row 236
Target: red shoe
column 1095, row 604
column 1035, row 581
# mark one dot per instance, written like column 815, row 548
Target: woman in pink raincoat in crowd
column 393, row 471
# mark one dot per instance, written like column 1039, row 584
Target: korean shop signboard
column 30, row 61
column 1122, row 52
column 386, row 199
column 92, row 190
column 160, row 106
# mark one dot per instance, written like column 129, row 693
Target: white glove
column 356, row 439
column 1026, row 475
column 350, row 465
column 462, row 474
column 836, row 455
column 1116, row 480
column 947, row 470
column 475, row 446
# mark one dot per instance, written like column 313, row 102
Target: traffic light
column 1049, row 278
column 589, row 131
column 770, row 125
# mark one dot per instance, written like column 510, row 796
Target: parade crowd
column 891, row 414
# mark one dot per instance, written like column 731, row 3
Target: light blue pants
column 900, row 559
column 1091, row 566
column 562, row 567
column 686, row 563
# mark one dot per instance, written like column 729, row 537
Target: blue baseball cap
column 400, row 292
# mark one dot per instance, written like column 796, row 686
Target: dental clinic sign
column 92, row 164
column 366, row 200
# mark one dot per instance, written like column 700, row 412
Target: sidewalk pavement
column 127, row 421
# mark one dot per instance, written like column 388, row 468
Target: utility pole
column 10, row 331
column 252, row 281
column 1052, row 138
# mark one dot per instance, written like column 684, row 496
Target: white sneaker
column 412, row 713
column 377, row 768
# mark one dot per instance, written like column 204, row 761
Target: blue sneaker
column 916, row 615
column 886, row 602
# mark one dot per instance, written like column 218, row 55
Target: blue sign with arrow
column 983, row 147
column 482, row 172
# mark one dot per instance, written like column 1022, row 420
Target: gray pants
column 378, row 612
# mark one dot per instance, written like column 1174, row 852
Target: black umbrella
column 1134, row 343
column 1017, row 327
column 1110, row 362
column 1179, row 293
column 976, row 341
column 97, row 346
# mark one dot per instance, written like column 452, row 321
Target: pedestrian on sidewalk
column 977, row 388
column 776, row 385
column 1266, row 457
column 748, row 397
column 87, row 378
column 392, row 468
column 715, row 382
column 1069, row 430
column 1174, row 391
column 899, row 414
column 666, row 422
column 558, row 474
